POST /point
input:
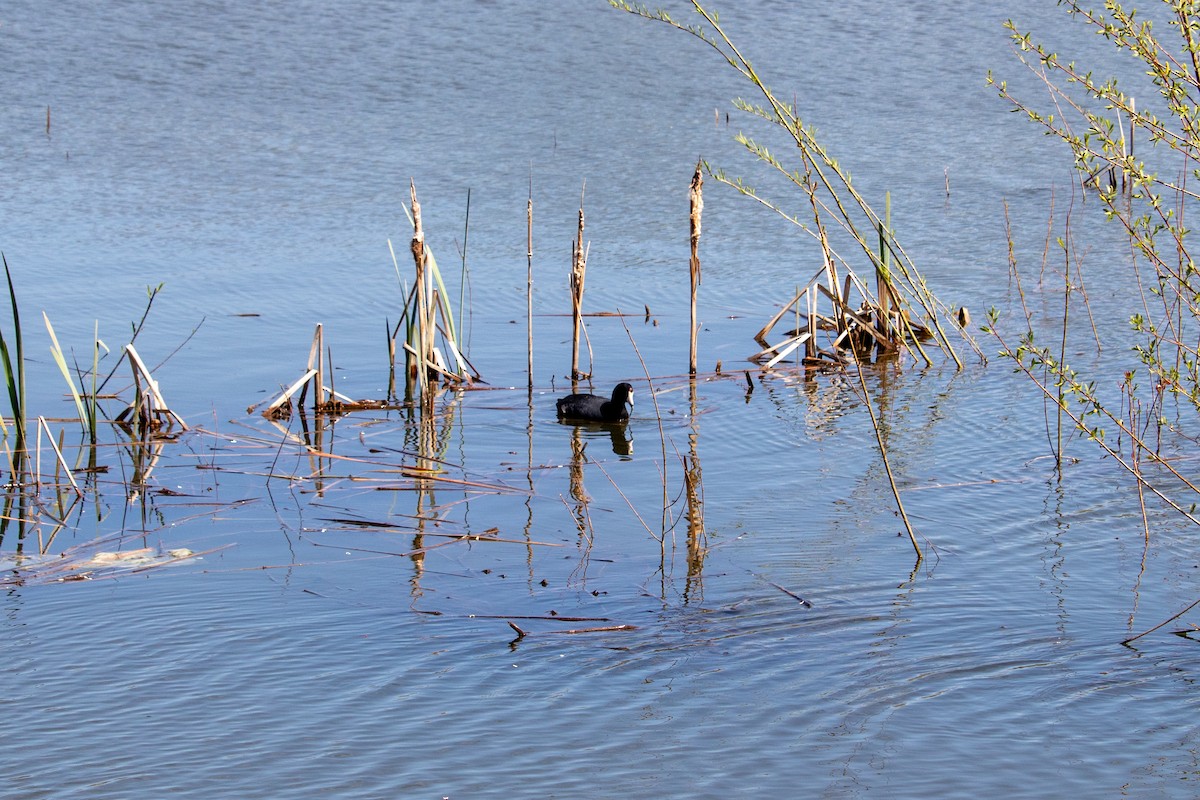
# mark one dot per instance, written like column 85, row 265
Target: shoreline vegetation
column 1152, row 416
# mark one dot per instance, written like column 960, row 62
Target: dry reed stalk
column 42, row 425
column 697, row 207
column 831, row 274
column 788, row 592
column 546, row 617
column 315, row 352
column 418, row 368
column 883, row 278
column 579, row 254
column 887, row 464
column 427, row 300
column 390, row 335
column 325, row 398
column 148, row 406
column 811, row 342
column 521, row 633
column 529, row 277
column 1162, row 624
column 274, row 410
column 662, row 434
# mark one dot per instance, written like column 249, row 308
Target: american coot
column 591, row 408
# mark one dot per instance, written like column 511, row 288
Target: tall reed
column 579, row 255
column 14, row 375
column 529, row 277
column 696, row 198
column 86, row 410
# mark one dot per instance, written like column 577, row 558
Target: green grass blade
column 16, row 392
column 60, row 359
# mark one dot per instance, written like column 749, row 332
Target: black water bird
column 592, row 408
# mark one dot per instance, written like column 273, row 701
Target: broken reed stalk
column 316, row 355
column 529, row 275
column 62, row 462
column 148, row 407
column 697, row 207
column 579, row 254
column 302, row 383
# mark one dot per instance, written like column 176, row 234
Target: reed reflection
column 693, row 481
column 427, row 434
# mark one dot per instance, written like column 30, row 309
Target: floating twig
column 522, row 633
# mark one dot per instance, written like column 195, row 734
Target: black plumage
column 593, row 408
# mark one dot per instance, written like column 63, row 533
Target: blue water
column 328, row 643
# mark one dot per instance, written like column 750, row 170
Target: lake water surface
column 345, row 632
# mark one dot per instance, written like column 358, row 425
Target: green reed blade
column 14, row 379
column 57, row 352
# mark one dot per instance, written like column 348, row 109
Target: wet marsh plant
column 902, row 312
